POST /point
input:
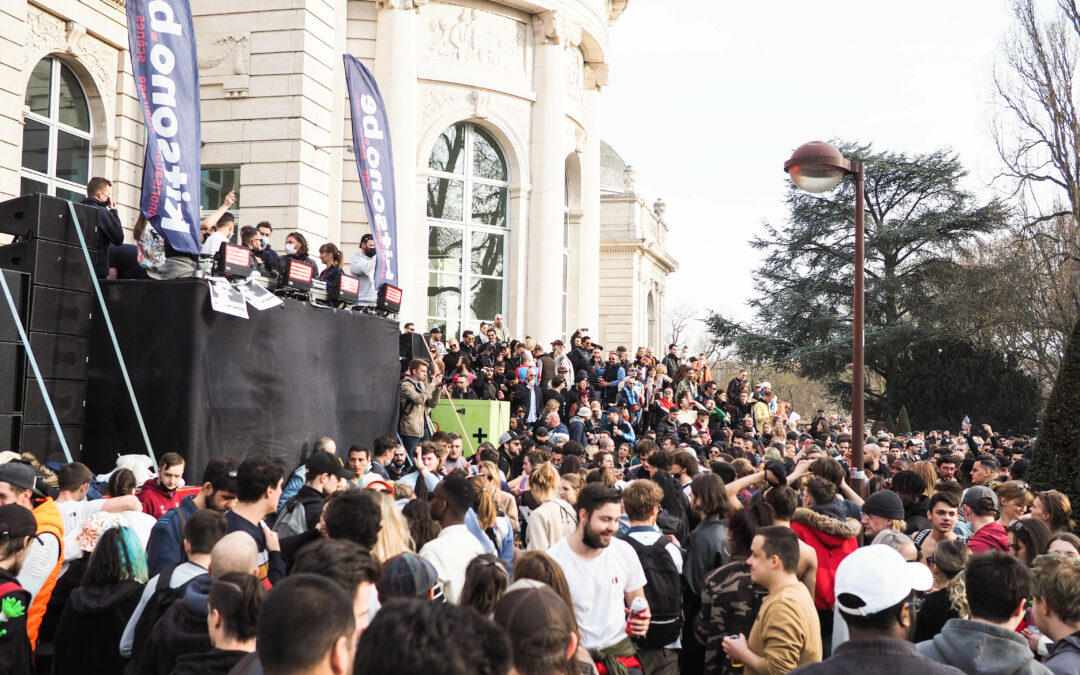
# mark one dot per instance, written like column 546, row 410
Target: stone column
column 588, row 253
column 395, row 71
column 543, row 299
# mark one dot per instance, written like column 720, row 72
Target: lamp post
column 819, row 167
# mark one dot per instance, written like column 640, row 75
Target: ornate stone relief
column 225, row 59
column 48, row 34
column 596, row 75
column 575, row 74
column 400, row 4
column 482, row 104
column 551, row 28
column 475, row 37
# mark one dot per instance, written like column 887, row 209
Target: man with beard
column 362, row 266
column 17, row 527
column 875, row 593
column 166, row 544
column 605, row 577
column 397, row 467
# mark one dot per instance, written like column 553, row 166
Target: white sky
column 708, row 98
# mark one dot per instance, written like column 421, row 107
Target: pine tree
column 1056, row 465
column 903, row 424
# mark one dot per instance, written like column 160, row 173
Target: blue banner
column 375, row 162
column 161, row 40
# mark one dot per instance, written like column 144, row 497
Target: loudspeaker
column 42, row 441
column 11, row 433
column 53, row 310
column 11, row 377
column 44, row 217
column 411, row 346
column 19, row 285
column 62, row 357
column 68, row 399
column 48, row 264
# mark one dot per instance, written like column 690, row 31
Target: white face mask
column 266, row 241
column 290, row 248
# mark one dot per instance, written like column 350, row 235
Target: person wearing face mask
column 296, row 248
column 269, row 255
column 221, row 233
column 362, row 266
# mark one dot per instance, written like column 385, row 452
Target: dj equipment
column 389, row 299
column 232, row 261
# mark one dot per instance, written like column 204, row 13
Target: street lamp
column 819, row 167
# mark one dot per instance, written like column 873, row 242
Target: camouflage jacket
column 729, row 605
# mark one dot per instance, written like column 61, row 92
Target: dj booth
column 212, row 385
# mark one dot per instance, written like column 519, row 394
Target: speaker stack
column 52, row 285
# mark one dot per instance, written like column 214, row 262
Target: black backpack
column 663, row 590
column 159, row 603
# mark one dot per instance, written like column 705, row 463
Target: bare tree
column 680, row 320
column 1037, row 132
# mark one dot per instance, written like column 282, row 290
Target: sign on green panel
column 480, row 421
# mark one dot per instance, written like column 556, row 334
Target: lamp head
column 817, row 167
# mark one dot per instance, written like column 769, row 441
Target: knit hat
column 531, row 613
column 95, row 526
column 778, row 469
column 885, row 504
column 584, row 412
column 407, row 576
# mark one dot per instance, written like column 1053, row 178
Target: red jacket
column 156, row 500
column 832, row 538
column 988, row 538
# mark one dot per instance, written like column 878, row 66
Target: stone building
column 493, row 116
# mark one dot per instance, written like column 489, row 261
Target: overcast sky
column 707, row 100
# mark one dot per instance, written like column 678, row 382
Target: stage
column 210, row 384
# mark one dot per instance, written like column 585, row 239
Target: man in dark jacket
column 182, row 629
column 875, row 587
column 324, row 474
column 912, row 488
column 529, row 398
column 108, row 227
column 671, row 360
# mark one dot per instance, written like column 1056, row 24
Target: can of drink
column 735, row 663
column 637, row 608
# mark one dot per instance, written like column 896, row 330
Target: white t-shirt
column 74, row 513
column 450, row 553
column 213, row 243
column 598, row 587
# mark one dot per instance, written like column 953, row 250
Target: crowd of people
column 628, row 522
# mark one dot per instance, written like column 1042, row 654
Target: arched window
column 565, row 315
column 467, row 196
column 56, row 133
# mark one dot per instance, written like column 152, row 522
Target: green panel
column 476, row 421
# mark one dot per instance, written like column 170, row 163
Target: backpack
column 663, row 590
column 292, row 519
column 155, row 608
column 151, row 249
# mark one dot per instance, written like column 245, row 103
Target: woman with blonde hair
column 927, row 473
column 1015, row 498
column 504, row 500
column 570, row 487
column 394, row 536
column 1053, row 508
column 946, row 564
column 495, row 525
column 554, row 518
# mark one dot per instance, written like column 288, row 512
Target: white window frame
column 467, row 227
column 53, row 124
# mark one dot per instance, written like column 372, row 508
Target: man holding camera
column 418, row 398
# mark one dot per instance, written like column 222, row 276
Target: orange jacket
column 49, row 521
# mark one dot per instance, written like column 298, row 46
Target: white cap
column 794, row 417
column 879, row 578
column 766, row 385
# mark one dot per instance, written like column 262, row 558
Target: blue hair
column 134, row 555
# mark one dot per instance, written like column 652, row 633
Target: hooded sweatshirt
column 180, row 631
column 156, row 500
column 833, row 537
column 1064, row 655
column 90, row 627
column 983, row 648
column 988, row 538
column 214, row 662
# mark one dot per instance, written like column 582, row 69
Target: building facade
column 493, row 120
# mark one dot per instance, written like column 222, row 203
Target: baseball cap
column 976, row 493
column 16, row 521
column 884, row 504
column 532, row 614
column 17, row 473
column 556, row 343
column 612, row 409
column 876, row 577
column 323, row 462
column 407, row 575
column 436, row 329
column 541, row 432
